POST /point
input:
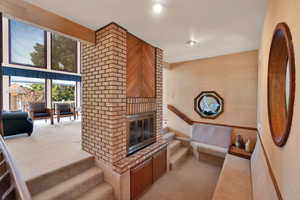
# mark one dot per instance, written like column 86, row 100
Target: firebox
column 141, row 131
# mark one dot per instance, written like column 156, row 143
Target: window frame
column 10, row 49
column 76, row 55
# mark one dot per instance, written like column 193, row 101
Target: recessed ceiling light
column 157, row 8
column 191, row 42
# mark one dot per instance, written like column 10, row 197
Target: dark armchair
column 16, row 123
column 64, row 110
column 40, row 111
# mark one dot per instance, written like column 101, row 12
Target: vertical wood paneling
column 148, row 71
column 140, row 68
column 134, row 63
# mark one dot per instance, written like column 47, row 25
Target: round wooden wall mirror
column 281, row 84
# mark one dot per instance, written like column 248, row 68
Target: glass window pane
column 63, row 92
column 25, row 90
column 27, row 44
column 63, row 53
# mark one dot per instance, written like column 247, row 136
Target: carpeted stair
column 177, row 152
column 80, row 180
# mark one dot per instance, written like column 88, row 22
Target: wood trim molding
column 47, row 20
column 191, row 122
column 277, row 189
column 227, row 125
column 111, row 23
column 180, row 114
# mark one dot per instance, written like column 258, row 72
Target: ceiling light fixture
column 157, row 8
column 191, row 42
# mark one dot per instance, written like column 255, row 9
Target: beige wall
column 234, row 77
column 284, row 161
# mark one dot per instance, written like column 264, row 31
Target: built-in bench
column 210, row 140
column 244, row 179
column 240, row 178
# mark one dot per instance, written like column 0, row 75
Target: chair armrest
column 49, row 110
column 31, row 114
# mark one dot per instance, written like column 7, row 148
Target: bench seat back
column 212, row 135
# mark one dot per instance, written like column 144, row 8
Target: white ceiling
column 221, row 26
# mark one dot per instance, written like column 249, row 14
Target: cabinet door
column 159, row 164
column 141, row 178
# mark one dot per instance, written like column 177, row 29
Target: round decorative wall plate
column 209, row 104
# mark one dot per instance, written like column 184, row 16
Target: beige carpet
column 192, row 180
column 49, row 147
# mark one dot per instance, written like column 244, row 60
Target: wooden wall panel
column 140, row 68
column 134, row 62
column 148, row 71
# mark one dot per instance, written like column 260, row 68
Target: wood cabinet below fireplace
column 159, row 164
column 146, row 173
column 141, row 66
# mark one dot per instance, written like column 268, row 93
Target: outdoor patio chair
column 64, row 110
column 39, row 111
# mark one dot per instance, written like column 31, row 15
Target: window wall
column 27, row 47
column 31, row 47
column 63, row 92
column 23, row 90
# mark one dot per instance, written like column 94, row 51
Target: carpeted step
column 173, row 147
column 48, row 180
column 168, row 137
column 102, row 191
column 73, row 187
column 178, row 156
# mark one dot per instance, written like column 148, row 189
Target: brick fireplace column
column 105, row 105
column 104, row 95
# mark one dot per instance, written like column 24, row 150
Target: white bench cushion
column 209, row 149
column 235, row 180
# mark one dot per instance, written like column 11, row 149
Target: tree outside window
column 63, row 92
column 63, row 53
column 27, row 44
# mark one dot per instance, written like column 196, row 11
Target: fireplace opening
column 141, row 131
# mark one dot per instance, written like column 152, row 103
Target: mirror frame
column 212, row 94
column 280, row 58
